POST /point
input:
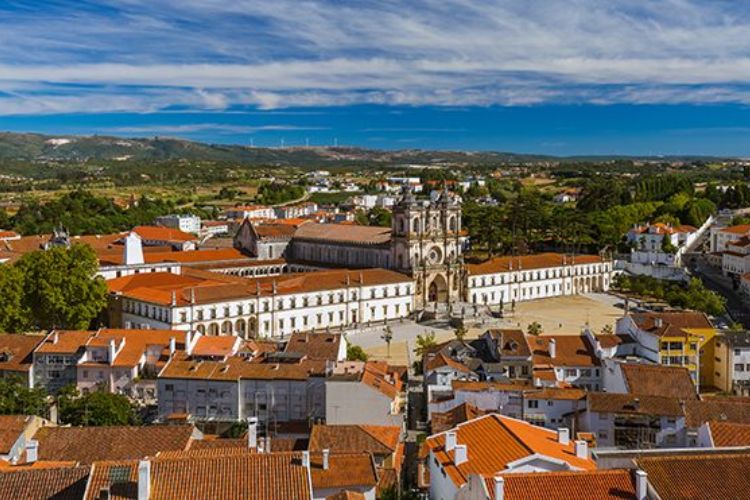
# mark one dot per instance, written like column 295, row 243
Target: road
column 714, row 280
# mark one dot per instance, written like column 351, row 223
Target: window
column 602, row 434
column 739, row 367
column 533, row 403
column 169, row 387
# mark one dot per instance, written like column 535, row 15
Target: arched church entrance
column 438, row 290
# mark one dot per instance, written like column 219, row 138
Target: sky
column 559, row 77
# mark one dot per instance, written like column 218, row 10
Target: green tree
column 98, row 408
column 666, row 244
column 61, row 288
column 17, row 399
column 14, row 316
column 380, row 217
column 355, row 353
column 534, row 328
column 424, row 343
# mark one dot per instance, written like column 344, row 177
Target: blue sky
column 546, row 76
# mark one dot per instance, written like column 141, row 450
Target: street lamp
column 387, row 336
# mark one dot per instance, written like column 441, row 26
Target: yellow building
column 675, row 338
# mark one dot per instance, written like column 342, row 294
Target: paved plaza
column 558, row 315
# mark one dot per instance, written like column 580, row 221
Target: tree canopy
column 98, row 408
column 17, row 399
column 55, row 288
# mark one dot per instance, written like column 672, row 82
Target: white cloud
column 140, row 55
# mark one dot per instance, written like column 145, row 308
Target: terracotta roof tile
column 582, row 485
column 315, row 345
column 489, row 385
column 493, row 441
column 159, row 233
column 346, row 495
column 90, row 444
column 570, row 350
column 464, row 412
column 59, row 483
column 345, row 470
column 378, row 440
column 11, row 427
column 671, row 321
column 513, row 342
column 740, row 229
column 527, row 262
column 182, row 366
column 272, row 476
column 696, row 477
column 65, row 341
column 441, row 360
column 735, row 410
column 556, row 393
column 659, row 380
column 216, row 346
column 17, row 351
column 729, row 434
column 608, row 402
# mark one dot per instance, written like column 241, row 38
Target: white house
column 270, row 306
column 494, row 444
column 186, row 223
column 506, row 280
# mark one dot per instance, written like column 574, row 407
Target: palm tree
column 535, row 329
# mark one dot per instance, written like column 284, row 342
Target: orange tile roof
column 514, row 342
column 272, row 476
column 137, row 342
column 11, row 427
column 698, row 476
column 441, row 360
column 673, row 322
column 159, row 233
column 181, row 366
column 375, row 439
column 570, row 350
column 729, row 434
column 615, row 484
column 556, row 393
column 345, row 470
column 90, row 444
column 219, row 346
column 740, row 229
column 59, row 483
column 489, row 385
column 609, row 402
column 18, row 348
column 346, row 495
column 527, row 262
column 659, row 380
column 206, row 287
column 315, row 345
column 441, row 422
column 8, row 234
column 65, row 341
column 275, row 230
column 732, row 409
column 493, row 441
column 184, row 257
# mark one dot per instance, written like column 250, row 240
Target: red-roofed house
column 495, row 444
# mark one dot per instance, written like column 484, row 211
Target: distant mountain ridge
column 40, row 148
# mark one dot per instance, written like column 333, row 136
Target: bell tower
column 427, row 244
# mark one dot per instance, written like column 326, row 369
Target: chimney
column 563, row 436
column 552, row 348
column 537, row 382
column 582, row 449
column 499, row 488
column 460, row 454
column 32, row 451
column 326, row 454
column 172, row 345
column 267, row 447
column 174, row 298
column 55, row 337
column 144, row 480
column 252, row 432
column 450, row 441
column 133, row 252
column 306, row 459
column 112, row 348
column 641, row 485
column 658, row 323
